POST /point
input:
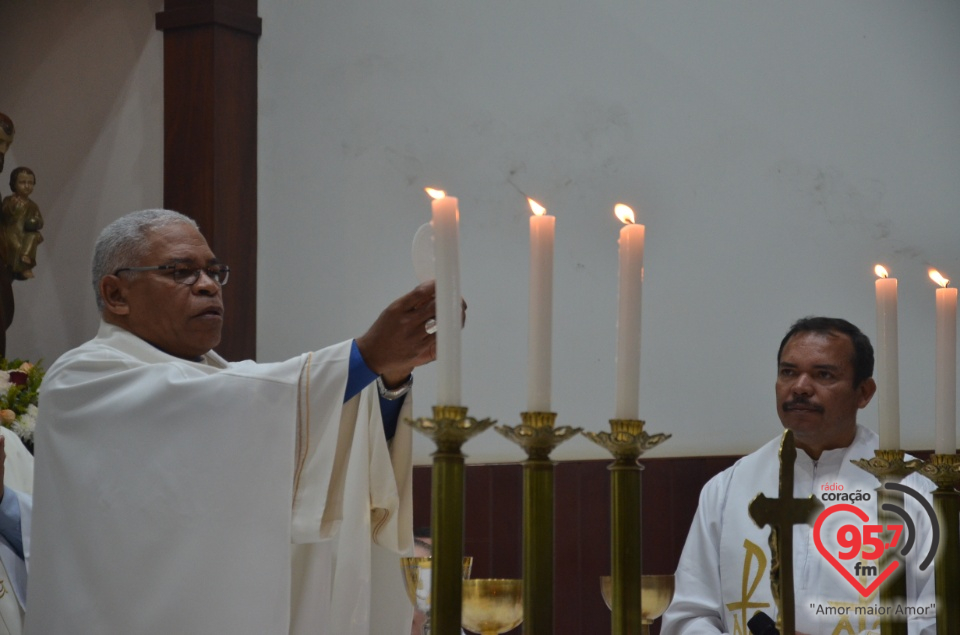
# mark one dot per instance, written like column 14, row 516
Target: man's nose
column 802, row 385
column 205, row 284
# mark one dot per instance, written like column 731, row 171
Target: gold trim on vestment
column 303, row 429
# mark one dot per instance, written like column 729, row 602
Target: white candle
column 946, row 393
column 628, row 316
column 446, row 254
column 540, row 328
column 888, row 364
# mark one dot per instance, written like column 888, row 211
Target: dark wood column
column 210, row 143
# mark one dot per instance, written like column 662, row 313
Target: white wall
column 82, row 82
column 775, row 151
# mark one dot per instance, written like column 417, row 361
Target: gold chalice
column 656, row 593
column 416, row 576
column 492, row 606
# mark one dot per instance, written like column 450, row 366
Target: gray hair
column 123, row 243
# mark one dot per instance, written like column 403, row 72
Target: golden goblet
column 416, row 576
column 656, row 593
column 492, row 606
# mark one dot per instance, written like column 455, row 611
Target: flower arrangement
column 19, row 389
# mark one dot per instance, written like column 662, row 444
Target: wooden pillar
column 210, row 143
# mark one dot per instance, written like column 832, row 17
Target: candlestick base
column 626, row 439
column 450, row 427
column 889, row 465
column 537, row 434
column 943, row 469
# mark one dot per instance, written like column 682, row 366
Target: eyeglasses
column 187, row 275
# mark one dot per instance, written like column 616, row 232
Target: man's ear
column 113, row 292
column 866, row 390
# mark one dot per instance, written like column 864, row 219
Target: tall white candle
column 888, row 364
column 446, row 254
column 946, row 393
column 628, row 315
column 540, row 328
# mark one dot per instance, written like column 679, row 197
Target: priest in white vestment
column 723, row 578
column 16, row 481
column 179, row 493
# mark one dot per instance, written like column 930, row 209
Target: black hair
column 862, row 348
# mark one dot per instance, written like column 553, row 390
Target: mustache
column 801, row 403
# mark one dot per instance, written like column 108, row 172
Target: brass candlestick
column 538, row 437
column 889, row 466
column 450, row 428
column 944, row 470
column 626, row 441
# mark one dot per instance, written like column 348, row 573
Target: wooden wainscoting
column 671, row 488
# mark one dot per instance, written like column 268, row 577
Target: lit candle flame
column 536, row 207
column 936, row 277
column 435, row 194
column 881, row 271
column 625, row 214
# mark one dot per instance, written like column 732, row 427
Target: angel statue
column 20, row 225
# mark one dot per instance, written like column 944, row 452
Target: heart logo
column 862, row 515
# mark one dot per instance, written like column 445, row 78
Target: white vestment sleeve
column 696, row 605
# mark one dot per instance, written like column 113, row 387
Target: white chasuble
column 18, row 476
column 723, row 577
column 169, row 494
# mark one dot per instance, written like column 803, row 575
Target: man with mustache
column 179, row 493
column 824, row 378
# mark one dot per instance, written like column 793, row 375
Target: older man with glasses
column 179, row 493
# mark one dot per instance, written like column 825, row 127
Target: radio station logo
column 856, row 536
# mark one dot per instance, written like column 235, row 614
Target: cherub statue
column 20, row 225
